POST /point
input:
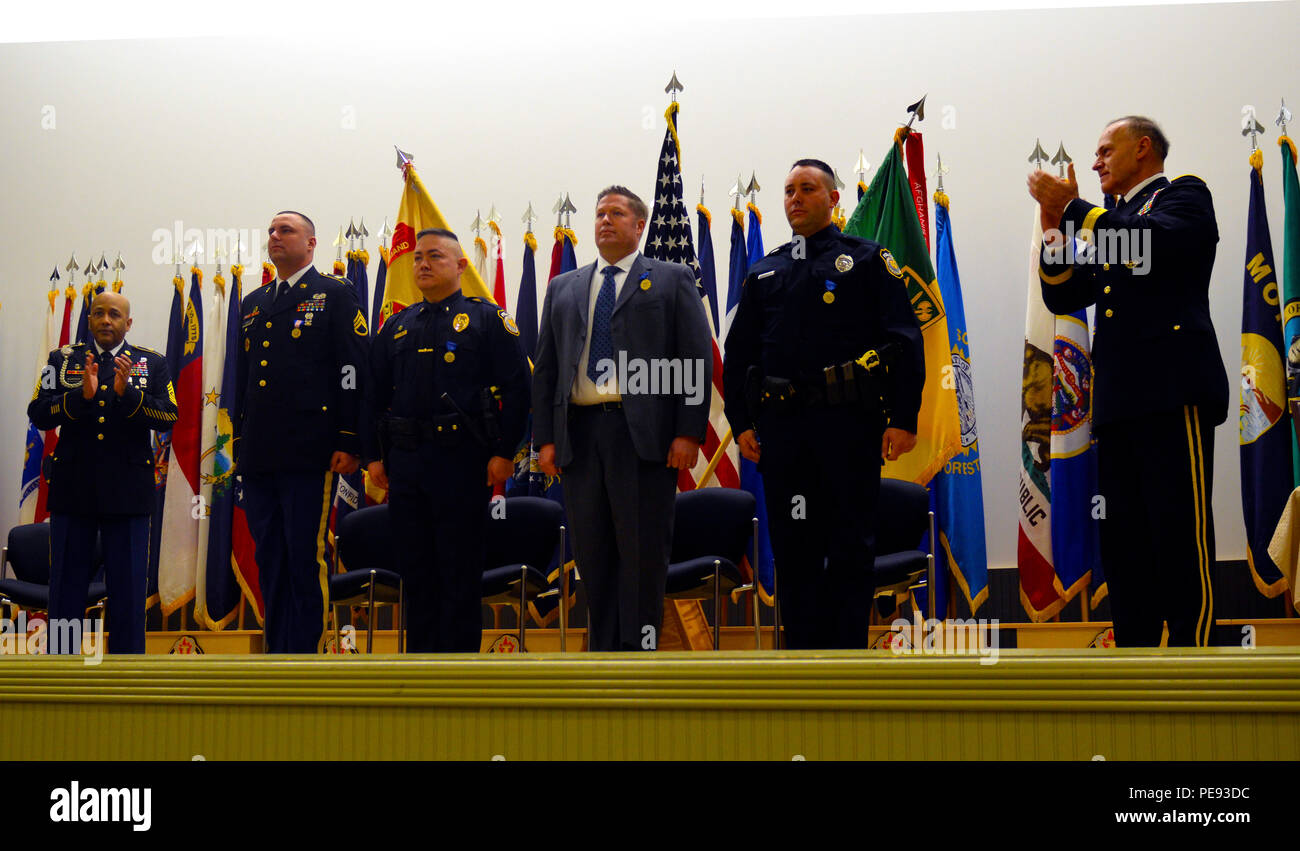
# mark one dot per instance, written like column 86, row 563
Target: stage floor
column 1223, row 703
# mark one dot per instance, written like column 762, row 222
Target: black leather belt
column 603, row 407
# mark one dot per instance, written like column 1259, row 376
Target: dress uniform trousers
column 1157, row 536
column 621, row 507
column 821, row 477
column 438, row 504
column 288, row 516
column 125, row 540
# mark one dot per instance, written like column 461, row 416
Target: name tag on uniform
column 766, row 275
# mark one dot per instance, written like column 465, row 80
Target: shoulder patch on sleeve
column 890, row 263
column 359, row 324
column 508, row 321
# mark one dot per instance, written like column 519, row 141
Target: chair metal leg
column 753, row 594
column 564, row 596
column 401, row 617
column 776, row 610
column 523, row 606
column 717, row 604
column 370, row 615
column 929, row 574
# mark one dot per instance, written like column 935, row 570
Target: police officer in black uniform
column 824, row 363
column 1154, row 426
column 448, row 408
column 301, row 366
column 107, row 396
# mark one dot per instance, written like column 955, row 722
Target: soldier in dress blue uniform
column 301, row 366
column 1154, row 427
column 447, row 409
column 824, row 364
column 107, row 396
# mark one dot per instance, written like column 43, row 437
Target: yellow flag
column 417, row 212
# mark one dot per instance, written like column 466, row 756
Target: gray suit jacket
column 664, row 320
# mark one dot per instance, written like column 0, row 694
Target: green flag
column 1291, row 288
column 887, row 214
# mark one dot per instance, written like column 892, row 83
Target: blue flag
column 381, row 279
column 162, row 442
column 526, row 316
column 707, row 275
column 737, row 265
column 1265, row 422
column 957, row 490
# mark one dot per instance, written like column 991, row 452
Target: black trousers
column 1156, row 475
column 821, row 477
column 288, row 517
column 438, row 504
column 126, row 568
column 621, row 507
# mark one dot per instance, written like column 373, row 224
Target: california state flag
column 416, row 213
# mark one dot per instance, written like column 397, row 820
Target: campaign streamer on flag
column 416, row 212
column 178, row 547
column 958, row 489
column 1265, row 423
column 497, row 254
column 1291, row 290
column 887, row 215
column 914, row 149
column 216, row 593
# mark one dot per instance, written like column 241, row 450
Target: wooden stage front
column 1224, row 703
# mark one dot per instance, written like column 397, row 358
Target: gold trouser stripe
column 1085, row 229
column 323, row 575
column 1191, row 418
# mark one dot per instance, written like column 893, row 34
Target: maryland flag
column 887, row 215
column 416, row 213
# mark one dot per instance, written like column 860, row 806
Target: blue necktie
column 602, row 342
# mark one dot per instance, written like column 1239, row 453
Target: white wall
column 222, row 133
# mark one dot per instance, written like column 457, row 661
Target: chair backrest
column 902, row 516
column 365, row 539
column 29, row 552
column 712, row 522
column 527, row 532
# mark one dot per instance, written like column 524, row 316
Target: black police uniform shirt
column 840, row 297
column 1154, row 347
column 457, row 346
column 302, row 364
column 104, row 462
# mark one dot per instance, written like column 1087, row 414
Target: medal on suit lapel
column 829, row 295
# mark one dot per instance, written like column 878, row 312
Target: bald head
column 110, row 318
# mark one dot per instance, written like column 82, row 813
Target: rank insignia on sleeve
column 171, row 392
column 461, row 322
column 890, row 263
column 509, row 322
column 359, row 324
column 843, row 263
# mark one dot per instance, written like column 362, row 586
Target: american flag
column 670, row 240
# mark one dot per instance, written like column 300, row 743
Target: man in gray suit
column 621, row 391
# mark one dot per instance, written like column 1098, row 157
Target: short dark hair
column 311, row 226
column 1139, row 126
column 820, row 166
column 638, row 206
column 442, row 232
